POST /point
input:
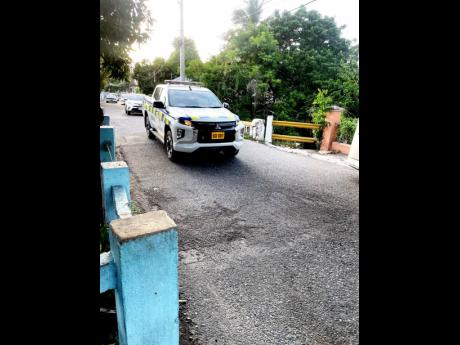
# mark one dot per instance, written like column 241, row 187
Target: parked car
column 133, row 104
column 123, row 98
column 187, row 117
column 353, row 156
column 111, row 98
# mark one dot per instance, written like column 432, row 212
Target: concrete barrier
column 142, row 265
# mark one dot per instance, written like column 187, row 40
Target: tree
column 345, row 88
column 243, row 73
column 312, row 53
column 250, row 14
column 321, row 105
column 149, row 75
column 122, row 24
column 191, row 54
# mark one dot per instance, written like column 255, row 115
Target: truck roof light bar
column 178, row 82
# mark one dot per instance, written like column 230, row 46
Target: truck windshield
column 193, row 99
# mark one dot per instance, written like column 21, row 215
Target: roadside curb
column 325, row 157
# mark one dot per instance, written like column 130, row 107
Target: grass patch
column 135, row 208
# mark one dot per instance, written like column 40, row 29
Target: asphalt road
column 269, row 241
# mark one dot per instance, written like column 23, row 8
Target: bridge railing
column 269, row 135
column 142, row 265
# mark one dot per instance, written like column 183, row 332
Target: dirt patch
column 187, row 328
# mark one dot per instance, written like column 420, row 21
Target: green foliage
column 249, row 15
column 321, row 104
column 122, row 23
column 135, row 208
column 244, row 73
column 311, row 54
column 191, row 54
column 347, row 129
column 280, row 65
column 121, row 86
column 148, row 75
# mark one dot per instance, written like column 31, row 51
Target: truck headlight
column 186, row 121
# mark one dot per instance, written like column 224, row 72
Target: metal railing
column 269, row 135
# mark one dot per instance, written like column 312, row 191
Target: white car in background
column 123, row 98
column 111, row 98
column 133, row 104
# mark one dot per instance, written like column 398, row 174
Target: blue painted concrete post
column 106, row 121
column 145, row 252
column 108, row 276
column 113, row 174
column 107, row 138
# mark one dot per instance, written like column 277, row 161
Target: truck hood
column 133, row 103
column 204, row 114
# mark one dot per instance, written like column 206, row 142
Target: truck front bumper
column 189, row 148
column 188, row 143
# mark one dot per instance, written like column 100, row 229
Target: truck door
column 154, row 113
column 161, row 114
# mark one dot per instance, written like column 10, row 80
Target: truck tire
column 173, row 156
column 147, row 128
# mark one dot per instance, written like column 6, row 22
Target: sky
column 205, row 21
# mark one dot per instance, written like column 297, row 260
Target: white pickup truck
column 187, row 117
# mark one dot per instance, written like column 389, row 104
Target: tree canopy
column 122, row 24
column 149, row 74
column 290, row 64
column 248, row 15
column 191, row 54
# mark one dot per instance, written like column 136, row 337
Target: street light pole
column 182, row 56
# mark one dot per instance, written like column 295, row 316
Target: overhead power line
column 260, row 9
column 301, row 6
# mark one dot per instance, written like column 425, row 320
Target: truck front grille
column 205, row 136
column 205, row 130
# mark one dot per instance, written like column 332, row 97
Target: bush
column 321, row 104
column 347, row 129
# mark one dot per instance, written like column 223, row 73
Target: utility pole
column 182, row 53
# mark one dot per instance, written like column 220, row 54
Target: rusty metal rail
column 293, row 138
column 294, row 125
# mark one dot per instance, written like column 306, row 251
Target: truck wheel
column 128, row 112
column 147, row 128
column 172, row 155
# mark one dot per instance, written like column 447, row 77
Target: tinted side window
column 163, row 97
column 156, row 94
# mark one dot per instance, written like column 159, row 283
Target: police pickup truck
column 187, row 117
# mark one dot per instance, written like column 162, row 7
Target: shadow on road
column 209, row 159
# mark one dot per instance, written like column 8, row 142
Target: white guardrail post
column 269, row 129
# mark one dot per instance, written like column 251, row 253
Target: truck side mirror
column 158, row 104
column 226, row 105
